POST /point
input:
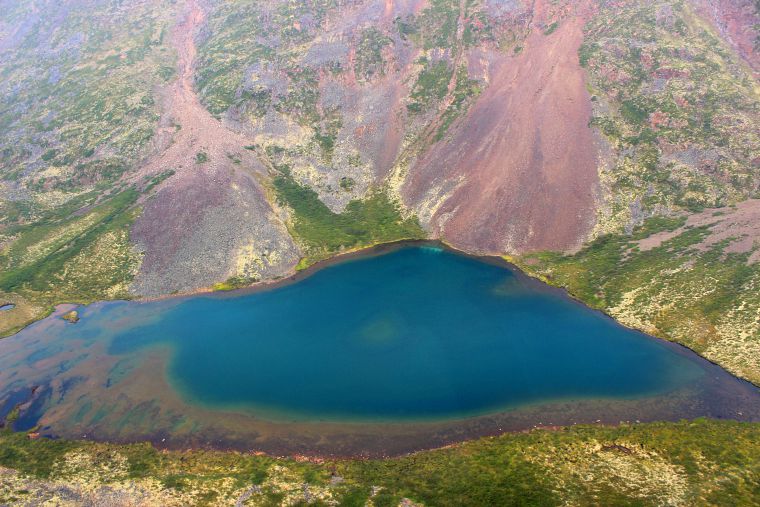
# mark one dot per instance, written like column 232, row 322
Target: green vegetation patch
column 375, row 219
column 436, row 26
column 326, row 134
column 465, row 92
column 201, row 157
column 302, row 98
column 551, row 28
column 431, row 85
column 234, row 282
column 369, row 53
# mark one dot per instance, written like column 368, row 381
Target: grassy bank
column 682, row 282
column 688, row 463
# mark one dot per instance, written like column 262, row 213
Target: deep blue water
column 417, row 333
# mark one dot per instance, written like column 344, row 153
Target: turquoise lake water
column 443, row 346
column 417, row 333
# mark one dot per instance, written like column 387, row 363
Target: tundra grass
column 700, row 462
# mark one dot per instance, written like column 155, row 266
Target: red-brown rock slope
column 737, row 21
column 519, row 173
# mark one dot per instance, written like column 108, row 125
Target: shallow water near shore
column 386, row 353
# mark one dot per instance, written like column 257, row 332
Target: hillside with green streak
column 677, row 109
column 687, row 463
column 79, row 92
column 65, row 258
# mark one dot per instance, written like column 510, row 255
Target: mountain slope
column 210, row 220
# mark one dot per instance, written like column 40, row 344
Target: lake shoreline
column 383, row 440
column 295, row 276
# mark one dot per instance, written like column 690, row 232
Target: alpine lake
column 401, row 348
